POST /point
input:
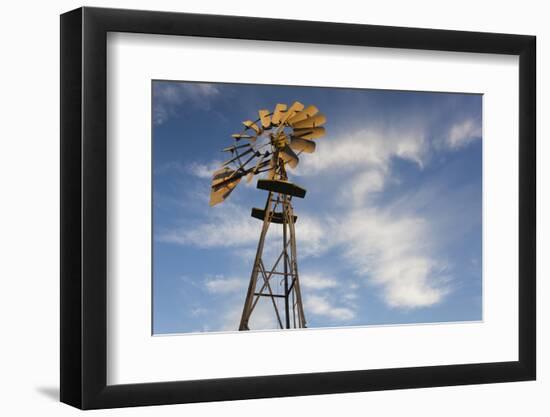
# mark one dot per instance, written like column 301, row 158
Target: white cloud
column 262, row 318
column 350, row 296
column 362, row 159
column 393, row 251
column 168, row 96
column 202, row 170
column 230, row 227
column 462, row 133
column 317, row 282
column 199, row 311
column 311, row 235
column 366, row 148
column 222, row 285
column 318, row 305
column 365, row 183
column 412, row 282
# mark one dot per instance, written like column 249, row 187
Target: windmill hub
column 270, row 144
column 280, row 140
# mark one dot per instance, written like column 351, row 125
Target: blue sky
column 390, row 229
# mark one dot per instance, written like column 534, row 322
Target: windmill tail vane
column 269, row 145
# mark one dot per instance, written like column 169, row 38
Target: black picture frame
column 84, row 207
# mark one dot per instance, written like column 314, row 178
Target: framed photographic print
column 256, row 208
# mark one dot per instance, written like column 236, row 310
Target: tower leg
column 286, row 273
column 261, row 278
column 247, row 309
column 297, row 292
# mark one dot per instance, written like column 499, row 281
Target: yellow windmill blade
column 251, row 125
column 223, row 182
column 308, row 112
column 265, row 119
column 289, row 156
column 221, row 175
column 311, row 122
column 278, row 113
column 293, row 109
column 239, row 136
column 302, row 145
column 219, row 194
column 313, row 133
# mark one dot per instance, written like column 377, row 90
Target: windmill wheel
column 271, row 143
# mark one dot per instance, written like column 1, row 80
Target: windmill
column 269, row 145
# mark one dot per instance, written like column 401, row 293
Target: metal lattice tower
column 278, row 210
column 272, row 143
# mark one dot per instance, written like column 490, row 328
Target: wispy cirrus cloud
column 395, row 252
column 363, row 158
column 320, row 305
column 463, row 133
column 203, row 170
column 219, row 284
column 263, row 318
column 215, row 232
column 168, row 97
column 371, row 148
column 197, row 169
column 231, row 226
column 317, row 281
